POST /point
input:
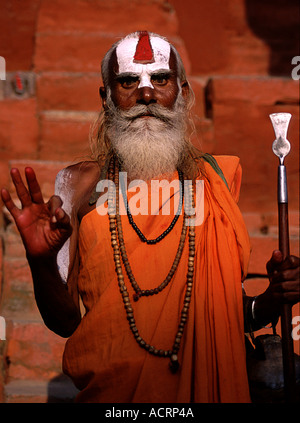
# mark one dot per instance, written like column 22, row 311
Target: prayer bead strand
column 119, row 248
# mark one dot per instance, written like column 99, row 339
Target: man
column 164, row 312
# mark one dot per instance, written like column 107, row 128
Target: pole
column 281, row 148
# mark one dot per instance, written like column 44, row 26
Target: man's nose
column 146, row 95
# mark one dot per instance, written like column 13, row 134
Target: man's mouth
column 146, row 115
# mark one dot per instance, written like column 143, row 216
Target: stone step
column 57, row 390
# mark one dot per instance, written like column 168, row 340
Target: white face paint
column 125, row 54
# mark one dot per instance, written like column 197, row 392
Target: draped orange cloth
column 102, row 356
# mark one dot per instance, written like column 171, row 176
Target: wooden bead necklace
column 118, row 246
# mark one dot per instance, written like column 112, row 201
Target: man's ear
column 102, row 92
column 185, row 89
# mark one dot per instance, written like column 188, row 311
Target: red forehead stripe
column 143, row 52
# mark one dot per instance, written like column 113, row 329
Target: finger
column 62, row 218
column 34, row 187
column 275, row 261
column 278, row 264
column 286, row 275
column 54, row 202
column 61, row 221
column 288, row 292
column 294, row 261
column 9, row 204
column 22, row 191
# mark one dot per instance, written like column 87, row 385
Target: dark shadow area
column 277, row 23
column 61, row 390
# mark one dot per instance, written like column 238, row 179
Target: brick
column 267, row 223
column 17, row 270
column 80, row 44
column 46, row 171
column 18, row 25
column 13, row 244
column 199, row 85
column 34, row 352
column 223, row 42
column 18, row 129
column 263, row 90
column 4, row 182
column 238, row 38
column 264, row 26
column 243, row 128
column 262, row 248
column 120, row 16
column 204, row 138
column 69, row 91
column 17, row 296
column 59, row 389
column 70, row 52
column 65, row 136
column 80, row 52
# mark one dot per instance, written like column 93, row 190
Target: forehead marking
column 143, row 52
column 125, row 56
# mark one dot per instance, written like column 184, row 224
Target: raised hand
column 44, row 227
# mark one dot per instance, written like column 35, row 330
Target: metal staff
column 281, row 147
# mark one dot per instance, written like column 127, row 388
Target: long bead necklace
column 169, row 228
column 119, row 249
column 141, row 292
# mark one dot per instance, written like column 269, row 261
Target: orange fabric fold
column 102, row 356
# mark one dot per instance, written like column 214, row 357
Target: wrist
column 42, row 260
column 252, row 324
column 262, row 313
column 42, row 264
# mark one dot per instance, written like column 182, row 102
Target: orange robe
column 102, row 356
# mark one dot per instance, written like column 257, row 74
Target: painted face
column 125, row 56
column 153, row 80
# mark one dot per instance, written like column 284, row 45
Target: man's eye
column 161, row 79
column 128, row 81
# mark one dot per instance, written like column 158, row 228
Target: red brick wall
column 238, row 56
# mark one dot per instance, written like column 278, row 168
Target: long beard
column 147, row 147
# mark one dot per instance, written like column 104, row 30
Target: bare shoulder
column 78, row 176
column 76, row 181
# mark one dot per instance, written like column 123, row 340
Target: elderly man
column 164, row 310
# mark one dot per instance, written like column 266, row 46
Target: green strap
column 213, row 162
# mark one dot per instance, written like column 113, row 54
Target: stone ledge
column 58, row 390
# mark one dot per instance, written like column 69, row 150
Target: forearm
column 56, row 305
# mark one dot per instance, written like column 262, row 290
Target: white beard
column 147, row 147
